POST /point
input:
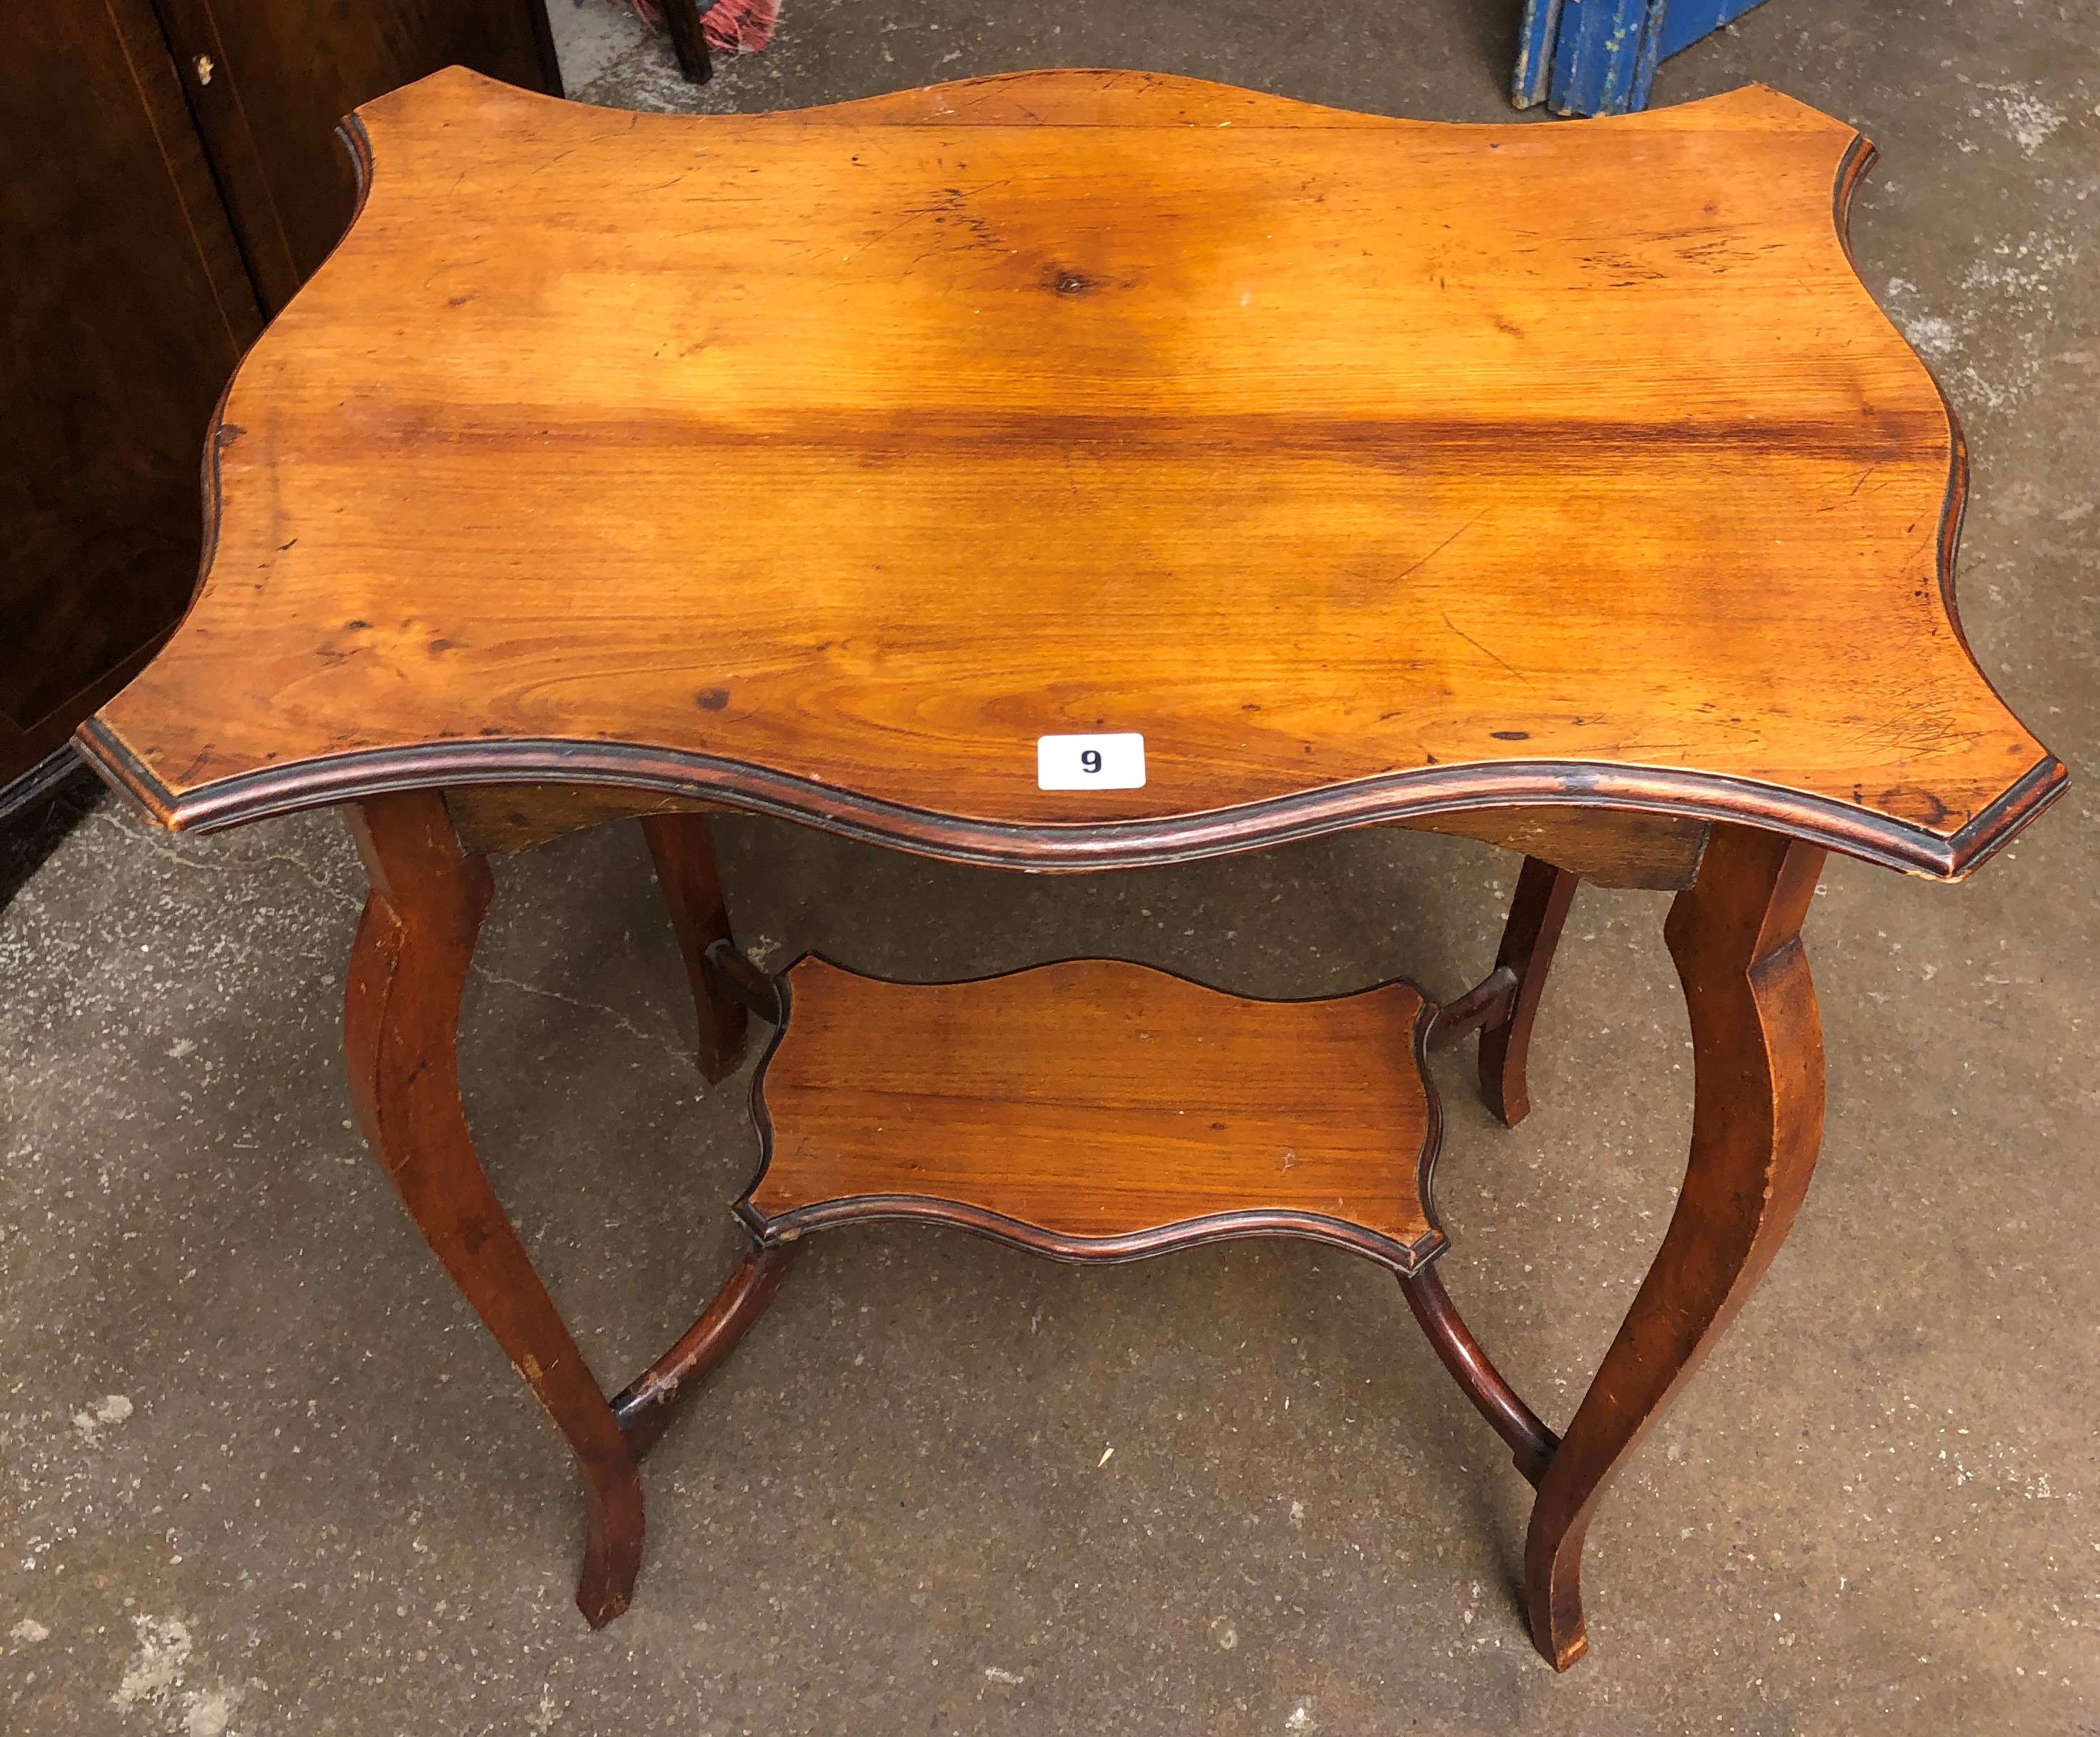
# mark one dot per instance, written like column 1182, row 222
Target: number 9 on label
column 1090, row 762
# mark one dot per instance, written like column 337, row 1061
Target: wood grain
column 1601, row 845
column 1756, row 1125
column 818, row 462
column 408, row 969
column 1098, row 1111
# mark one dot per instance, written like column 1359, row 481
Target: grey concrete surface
column 261, row 1472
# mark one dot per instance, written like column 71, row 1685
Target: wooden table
column 1069, row 471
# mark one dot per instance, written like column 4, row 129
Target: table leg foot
column 408, row 968
column 1757, row 1123
column 1536, row 913
column 685, row 857
column 612, row 1549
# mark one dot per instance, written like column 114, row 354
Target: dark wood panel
column 501, row 819
column 282, row 75
column 124, row 307
column 1610, row 848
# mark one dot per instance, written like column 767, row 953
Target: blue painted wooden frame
column 1598, row 57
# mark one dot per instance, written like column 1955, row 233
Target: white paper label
column 1090, row 762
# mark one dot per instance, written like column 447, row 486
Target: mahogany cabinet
column 169, row 175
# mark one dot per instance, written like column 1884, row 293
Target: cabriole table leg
column 400, row 1027
column 683, row 851
column 1536, row 913
column 1757, row 1123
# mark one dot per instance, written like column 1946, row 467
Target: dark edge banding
column 1976, row 843
column 1403, row 1259
column 105, row 750
column 357, row 142
column 1859, row 158
column 1395, row 1257
column 1070, row 848
column 761, row 1118
column 1428, row 1248
column 812, row 957
column 1952, row 517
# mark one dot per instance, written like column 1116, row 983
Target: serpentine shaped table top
column 819, row 462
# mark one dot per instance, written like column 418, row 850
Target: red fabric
column 739, row 27
column 730, row 27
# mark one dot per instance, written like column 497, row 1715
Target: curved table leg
column 1757, row 1123
column 1536, row 913
column 400, row 1024
column 684, row 854
column 1531, row 1445
column 644, row 1408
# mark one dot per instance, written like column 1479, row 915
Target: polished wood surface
column 408, row 969
column 1367, row 468
column 1606, row 846
column 1375, row 472
column 1098, row 1111
column 689, row 41
column 1487, row 1003
column 1756, row 1125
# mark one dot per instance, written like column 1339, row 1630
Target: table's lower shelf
column 1096, row 1110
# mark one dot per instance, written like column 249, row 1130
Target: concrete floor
column 261, row 1471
